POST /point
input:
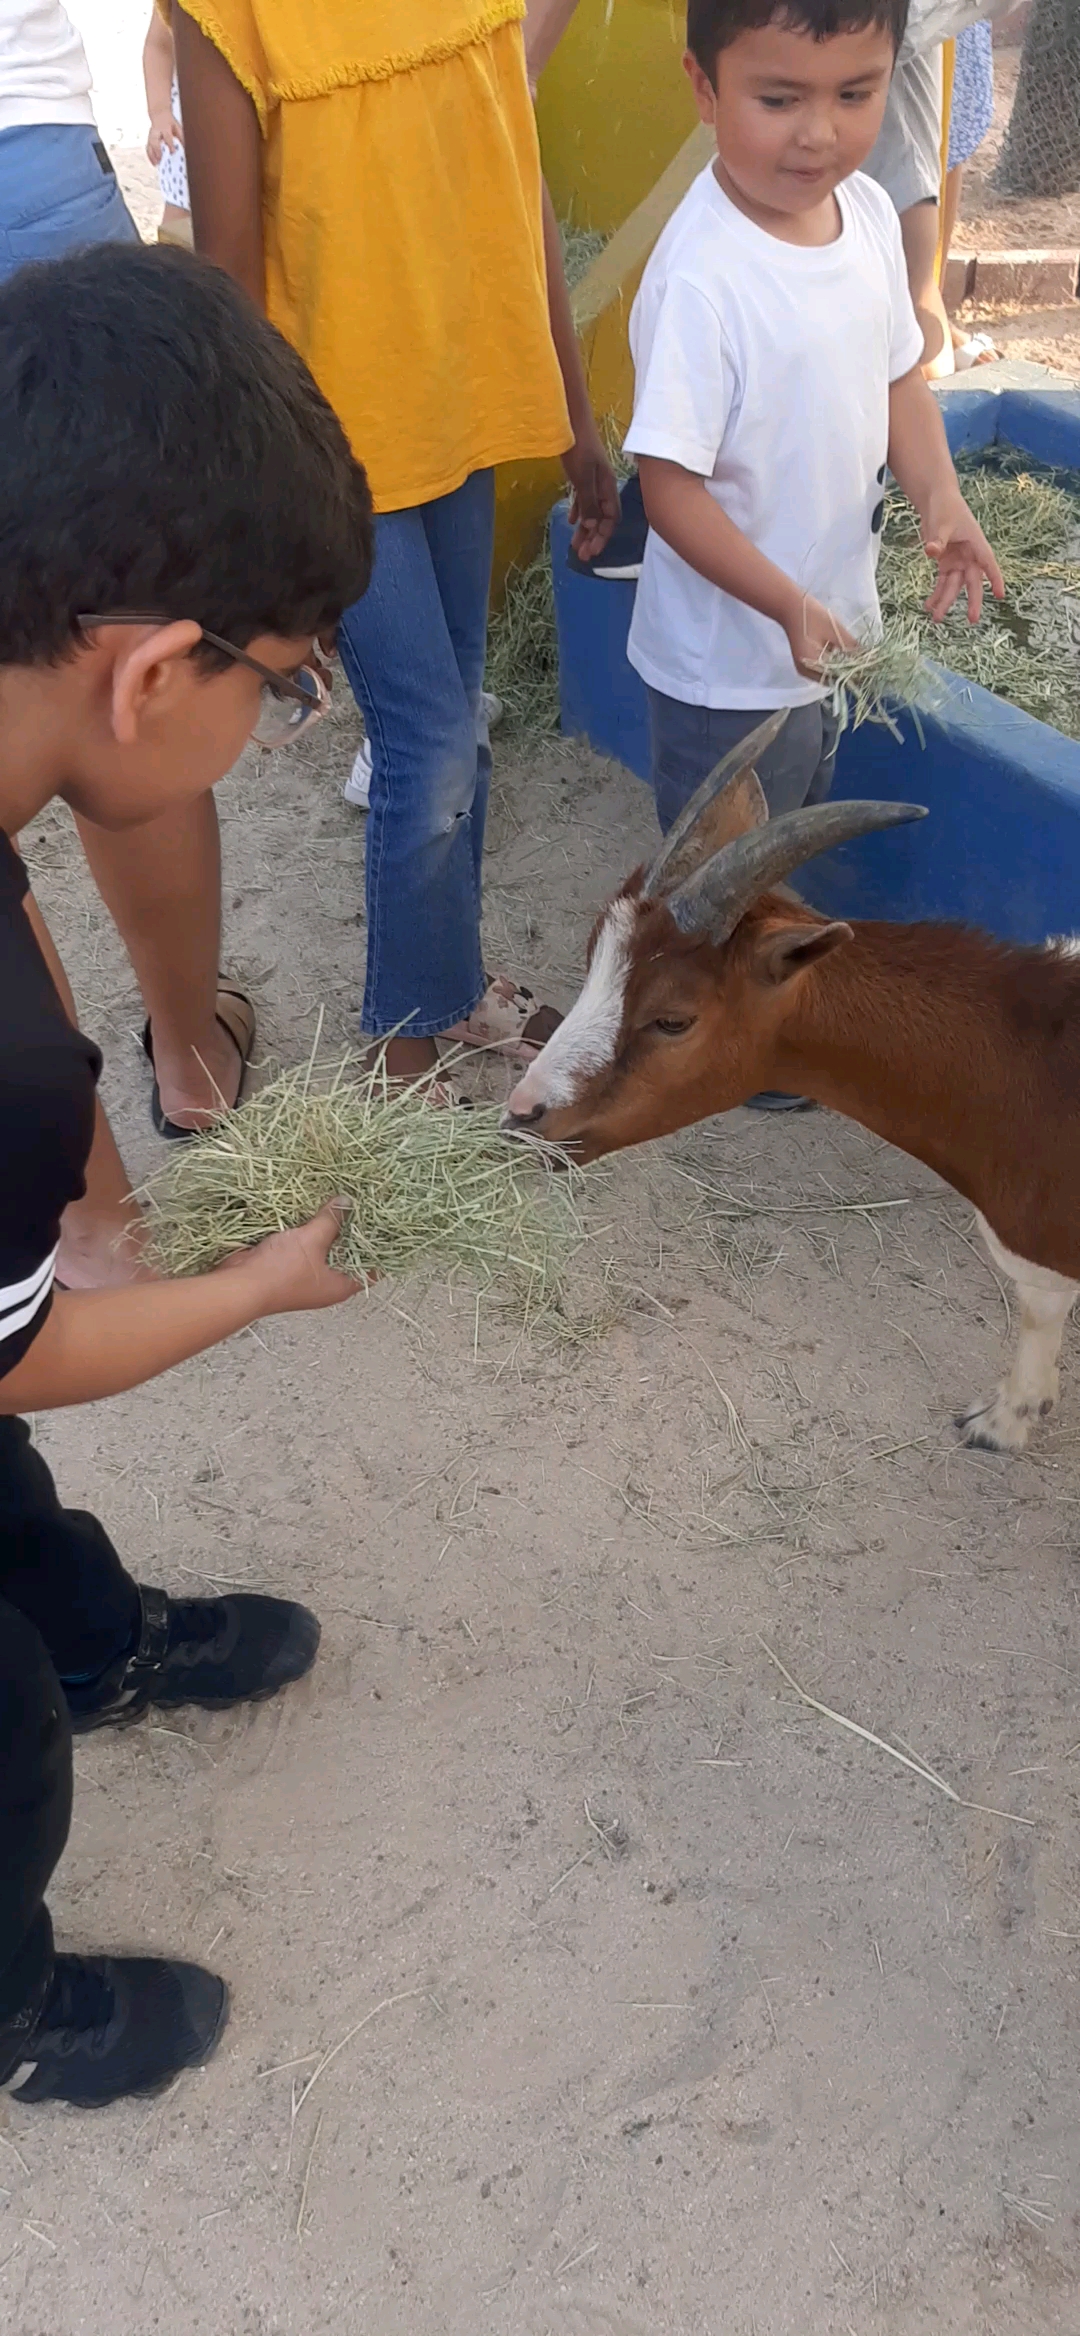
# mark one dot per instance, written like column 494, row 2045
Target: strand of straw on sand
column 918, row 1767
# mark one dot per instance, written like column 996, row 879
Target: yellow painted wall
column 614, row 106
column 601, row 305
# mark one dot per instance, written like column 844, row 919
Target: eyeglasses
column 290, row 704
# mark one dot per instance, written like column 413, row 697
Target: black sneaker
column 212, row 1651
column 112, row 2025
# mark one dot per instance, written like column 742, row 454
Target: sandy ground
column 665, row 2007
column 660, row 2005
column 991, row 222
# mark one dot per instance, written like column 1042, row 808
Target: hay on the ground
column 436, row 1192
column 523, row 653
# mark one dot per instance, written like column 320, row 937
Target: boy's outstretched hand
column 953, row 539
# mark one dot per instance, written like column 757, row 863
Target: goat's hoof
column 996, row 1426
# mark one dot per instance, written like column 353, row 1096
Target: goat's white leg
column 1031, row 1389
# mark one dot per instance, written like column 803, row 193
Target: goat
column 706, row 983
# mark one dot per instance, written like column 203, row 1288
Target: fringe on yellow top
column 402, row 226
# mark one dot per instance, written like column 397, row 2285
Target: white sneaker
column 357, row 787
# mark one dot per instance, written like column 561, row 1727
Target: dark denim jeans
column 688, row 742
column 66, row 1606
column 413, row 649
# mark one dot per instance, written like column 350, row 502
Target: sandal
column 977, row 349
column 236, row 1015
column 507, row 1021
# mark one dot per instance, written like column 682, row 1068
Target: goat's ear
column 780, row 953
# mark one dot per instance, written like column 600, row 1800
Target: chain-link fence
column 1041, row 150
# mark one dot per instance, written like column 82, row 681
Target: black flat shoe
column 209, row 1651
column 236, row 1014
column 111, row 2026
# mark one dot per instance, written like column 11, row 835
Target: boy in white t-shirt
column 777, row 359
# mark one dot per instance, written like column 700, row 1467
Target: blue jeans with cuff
column 58, row 192
column 688, row 741
column 413, row 649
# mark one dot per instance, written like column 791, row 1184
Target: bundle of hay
column 883, row 671
column 435, row 1192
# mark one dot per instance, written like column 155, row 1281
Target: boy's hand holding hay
column 293, row 1269
column 814, row 634
column 412, row 1188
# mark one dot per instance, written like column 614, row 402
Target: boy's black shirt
column 48, row 1074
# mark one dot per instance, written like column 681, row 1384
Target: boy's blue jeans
column 413, row 649
column 57, row 193
column 688, row 742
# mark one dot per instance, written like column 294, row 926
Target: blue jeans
column 58, row 191
column 413, row 649
column 688, row 741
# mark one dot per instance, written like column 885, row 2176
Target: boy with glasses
column 181, row 519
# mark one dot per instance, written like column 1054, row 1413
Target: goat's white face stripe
column 587, row 1039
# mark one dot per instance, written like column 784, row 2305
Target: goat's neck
column 908, row 1029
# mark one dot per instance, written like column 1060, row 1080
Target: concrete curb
column 1024, row 279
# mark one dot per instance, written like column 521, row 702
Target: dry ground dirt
column 658, row 2005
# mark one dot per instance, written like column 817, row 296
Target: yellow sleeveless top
column 402, row 226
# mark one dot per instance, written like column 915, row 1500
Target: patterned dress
column 172, row 168
column 972, row 93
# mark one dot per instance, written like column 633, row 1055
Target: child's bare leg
column 176, row 227
column 162, row 886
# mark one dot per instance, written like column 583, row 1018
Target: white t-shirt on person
column 765, row 367
column 44, row 75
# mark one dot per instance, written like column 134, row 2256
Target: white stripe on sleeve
column 20, row 1301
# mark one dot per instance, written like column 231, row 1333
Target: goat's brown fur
column 953, row 1046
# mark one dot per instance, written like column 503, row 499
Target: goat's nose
column 513, row 1120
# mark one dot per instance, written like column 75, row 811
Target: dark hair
column 711, row 25
column 163, row 448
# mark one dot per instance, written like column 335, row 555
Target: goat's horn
column 713, row 900
column 694, row 837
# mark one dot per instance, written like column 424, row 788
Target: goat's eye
column 673, row 1025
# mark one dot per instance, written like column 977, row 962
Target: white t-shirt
column 44, row 75
column 765, row 368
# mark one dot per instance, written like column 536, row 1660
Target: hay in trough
column 434, row 1192
column 580, row 247
column 1024, row 648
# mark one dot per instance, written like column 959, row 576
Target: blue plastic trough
column 1002, row 845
